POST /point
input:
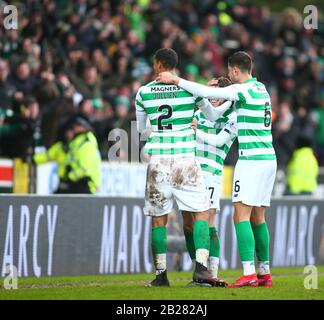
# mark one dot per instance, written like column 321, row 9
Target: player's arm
column 218, row 140
column 199, row 90
column 141, row 115
column 210, row 112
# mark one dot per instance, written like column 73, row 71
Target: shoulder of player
column 151, row 84
column 249, row 89
column 144, row 87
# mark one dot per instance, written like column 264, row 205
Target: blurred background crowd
column 91, row 56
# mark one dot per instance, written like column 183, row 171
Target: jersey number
column 237, row 186
column 212, row 192
column 164, row 116
column 267, row 115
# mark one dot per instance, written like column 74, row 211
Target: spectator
column 284, row 133
column 84, row 163
column 302, row 169
column 20, row 142
column 22, row 80
column 318, row 117
column 89, row 49
column 58, row 152
column 89, row 85
column 7, row 91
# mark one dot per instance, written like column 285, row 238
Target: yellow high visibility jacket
column 55, row 153
column 84, row 160
column 302, row 171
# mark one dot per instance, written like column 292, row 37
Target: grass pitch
column 288, row 285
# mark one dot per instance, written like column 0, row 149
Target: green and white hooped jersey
column 212, row 158
column 254, row 121
column 170, row 111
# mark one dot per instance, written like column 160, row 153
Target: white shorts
column 253, row 182
column 178, row 178
column 213, row 186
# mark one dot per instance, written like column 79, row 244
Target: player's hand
column 168, row 78
column 212, row 83
column 194, row 124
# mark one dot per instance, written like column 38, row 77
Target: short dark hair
column 167, row 56
column 29, row 100
column 223, row 82
column 241, row 60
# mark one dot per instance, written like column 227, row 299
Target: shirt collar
column 250, row 80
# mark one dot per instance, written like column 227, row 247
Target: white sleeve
column 218, row 140
column 141, row 115
column 141, row 118
column 199, row 90
column 213, row 113
column 215, row 140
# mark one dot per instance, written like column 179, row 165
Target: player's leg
column 191, row 195
column 158, row 203
column 188, row 223
column 246, row 245
column 202, row 244
column 214, row 251
column 259, row 225
column 262, row 245
column 159, row 250
column 213, row 184
column 245, row 237
column 245, row 196
column 201, row 237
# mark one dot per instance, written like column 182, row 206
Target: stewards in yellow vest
column 58, row 153
column 84, row 161
column 302, row 169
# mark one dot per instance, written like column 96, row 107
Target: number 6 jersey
column 254, row 121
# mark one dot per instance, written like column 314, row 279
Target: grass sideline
column 288, row 285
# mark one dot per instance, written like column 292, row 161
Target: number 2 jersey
column 170, row 111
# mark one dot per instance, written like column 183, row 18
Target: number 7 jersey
column 254, row 121
column 170, row 110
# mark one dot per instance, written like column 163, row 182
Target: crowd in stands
column 91, row 56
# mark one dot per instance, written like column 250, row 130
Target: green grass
column 288, row 285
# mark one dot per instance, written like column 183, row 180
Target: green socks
column 246, row 246
column 159, row 240
column 213, row 260
column 262, row 246
column 202, row 241
column 214, row 249
column 190, row 245
column 159, row 248
column 201, row 235
column 262, row 241
column 214, row 242
column 245, row 240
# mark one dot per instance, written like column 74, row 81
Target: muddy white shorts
column 213, row 186
column 253, row 182
column 174, row 178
